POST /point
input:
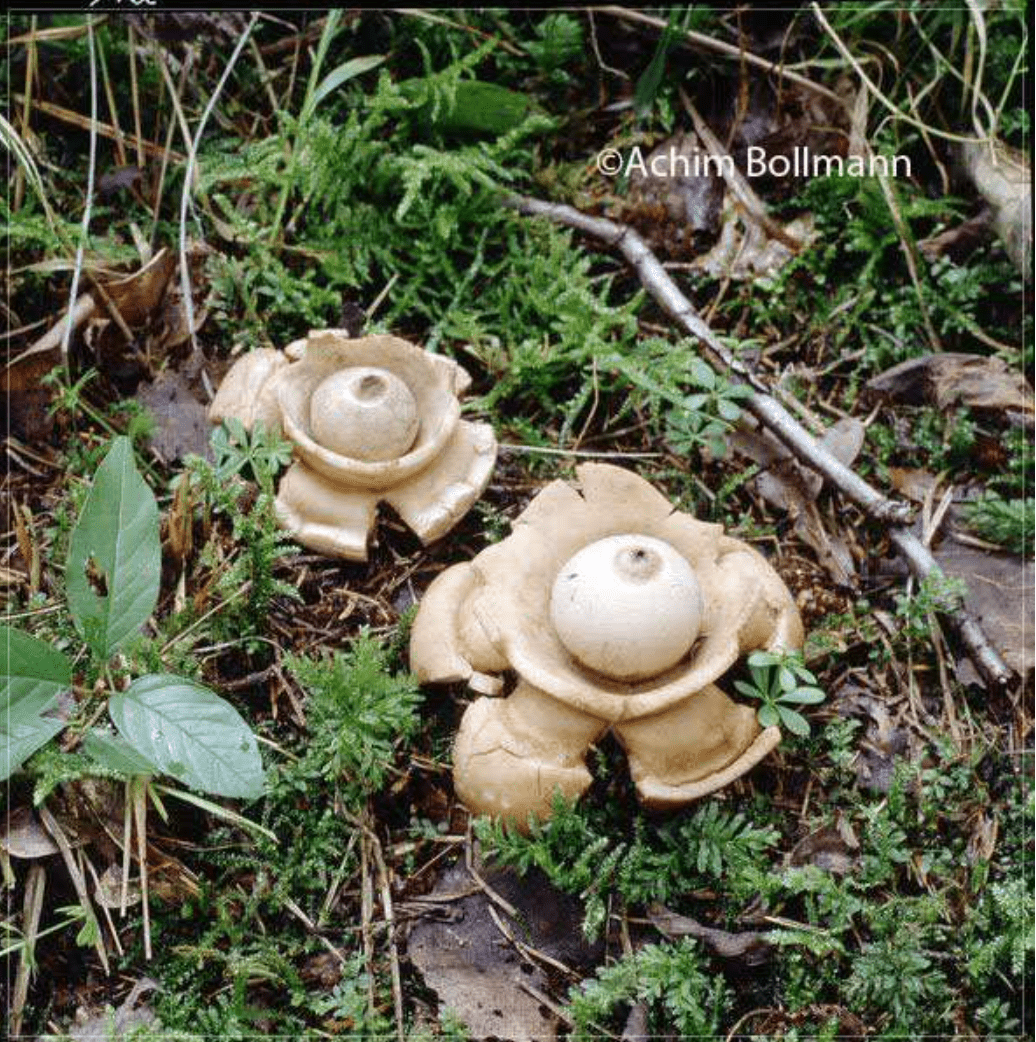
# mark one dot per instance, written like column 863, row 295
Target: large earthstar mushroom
column 615, row 612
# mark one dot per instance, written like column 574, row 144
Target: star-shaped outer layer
column 328, row 501
column 493, row 613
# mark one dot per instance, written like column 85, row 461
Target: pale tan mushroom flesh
column 372, row 420
column 684, row 737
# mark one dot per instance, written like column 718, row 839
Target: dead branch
column 769, row 412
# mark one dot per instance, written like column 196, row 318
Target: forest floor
column 183, row 189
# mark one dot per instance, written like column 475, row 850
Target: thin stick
column 581, row 453
column 773, row 415
column 390, row 925
column 127, row 841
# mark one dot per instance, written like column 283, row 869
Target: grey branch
column 772, row 414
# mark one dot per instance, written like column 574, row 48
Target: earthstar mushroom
column 615, row 612
column 375, row 419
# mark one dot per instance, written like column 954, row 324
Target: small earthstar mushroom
column 614, row 612
column 372, row 420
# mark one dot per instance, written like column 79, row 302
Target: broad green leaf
column 31, row 671
column 346, row 71
column 484, row 108
column 114, row 555
column 191, row 733
column 20, row 738
column 794, row 722
column 32, row 675
column 115, row 753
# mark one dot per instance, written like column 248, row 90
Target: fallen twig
column 769, row 412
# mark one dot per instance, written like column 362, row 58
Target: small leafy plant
column 1007, row 522
column 780, row 682
column 165, row 724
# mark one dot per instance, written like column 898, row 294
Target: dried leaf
column 1000, row 596
column 945, row 380
column 830, row 848
column 476, row 971
column 118, row 178
column 25, row 837
column 744, row 250
column 913, row 483
column 182, row 424
column 844, row 439
column 138, row 296
column 680, row 184
column 125, row 1022
column 108, row 891
column 749, row 947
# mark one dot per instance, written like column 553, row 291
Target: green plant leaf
column 794, row 722
column 651, row 78
column 346, row 71
column 728, row 409
column 32, row 675
column 768, row 716
column 764, row 658
column 31, row 671
column 20, row 737
column 115, row 753
column 116, row 539
column 191, row 733
column 748, row 690
column 806, row 696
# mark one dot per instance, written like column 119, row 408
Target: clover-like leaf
column 768, row 716
column 794, row 722
column 806, row 696
column 188, row 731
column 114, row 555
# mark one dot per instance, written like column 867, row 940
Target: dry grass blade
column 51, row 824
column 390, row 924
column 32, row 908
column 875, row 89
column 138, row 789
column 185, row 277
column 720, row 47
column 91, row 174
